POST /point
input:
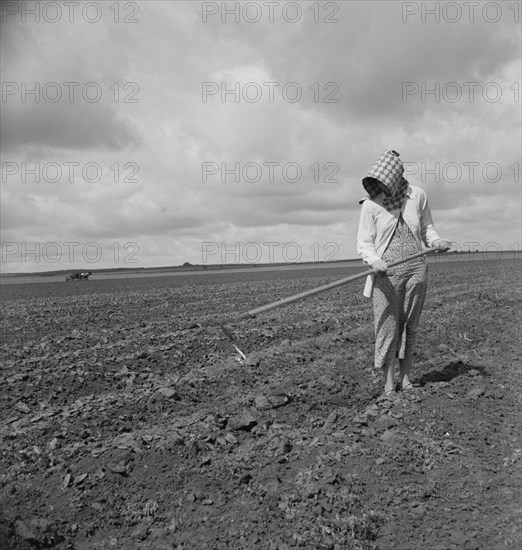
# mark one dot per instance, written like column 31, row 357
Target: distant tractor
column 83, row 276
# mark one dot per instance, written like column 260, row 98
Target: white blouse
column 376, row 226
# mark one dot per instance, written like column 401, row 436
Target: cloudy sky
column 157, row 133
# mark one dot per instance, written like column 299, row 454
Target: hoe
column 252, row 313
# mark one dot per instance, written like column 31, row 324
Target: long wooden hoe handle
column 251, row 313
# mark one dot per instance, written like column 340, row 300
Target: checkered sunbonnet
column 388, row 171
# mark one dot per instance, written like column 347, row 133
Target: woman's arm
column 428, row 233
column 429, row 236
column 366, row 235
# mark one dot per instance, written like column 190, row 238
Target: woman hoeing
column 395, row 223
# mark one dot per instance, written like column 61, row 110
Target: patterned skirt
column 398, row 298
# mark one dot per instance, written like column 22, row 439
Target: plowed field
column 128, row 421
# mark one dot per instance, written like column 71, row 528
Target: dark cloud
column 83, row 115
column 75, row 127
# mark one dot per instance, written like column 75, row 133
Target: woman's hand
column 379, row 266
column 441, row 245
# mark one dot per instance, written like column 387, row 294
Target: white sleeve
column 428, row 233
column 366, row 235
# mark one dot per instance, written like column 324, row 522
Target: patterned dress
column 398, row 298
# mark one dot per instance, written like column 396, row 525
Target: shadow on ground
column 449, row 372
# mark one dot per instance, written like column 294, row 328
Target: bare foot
column 389, row 389
column 405, row 383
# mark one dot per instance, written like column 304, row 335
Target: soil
column 129, row 421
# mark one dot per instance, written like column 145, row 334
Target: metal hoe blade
column 231, row 337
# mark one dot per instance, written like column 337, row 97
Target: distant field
column 245, row 268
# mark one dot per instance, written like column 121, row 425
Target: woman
column 395, row 223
